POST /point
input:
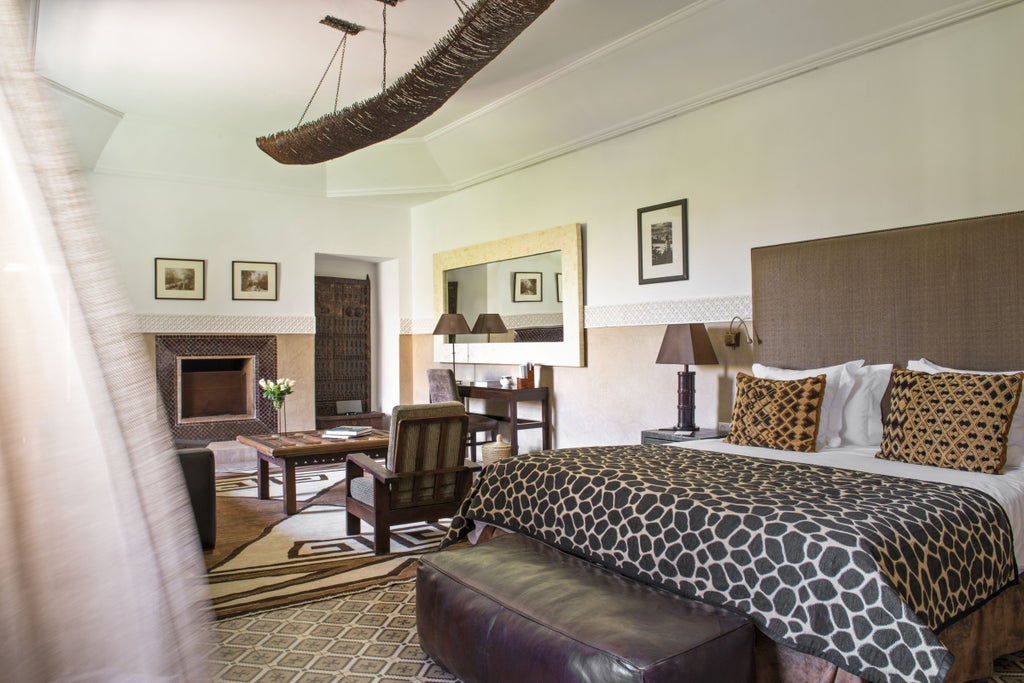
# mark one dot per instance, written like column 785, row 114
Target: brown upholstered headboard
column 952, row 292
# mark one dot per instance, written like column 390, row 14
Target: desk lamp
column 452, row 324
column 686, row 345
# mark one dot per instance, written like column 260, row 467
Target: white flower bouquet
column 276, row 390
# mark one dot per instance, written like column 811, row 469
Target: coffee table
column 293, row 450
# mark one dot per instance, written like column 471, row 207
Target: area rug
column 368, row 636
column 267, row 559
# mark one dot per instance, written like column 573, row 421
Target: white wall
column 147, row 218
column 925, row 130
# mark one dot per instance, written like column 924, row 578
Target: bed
column 852, row 567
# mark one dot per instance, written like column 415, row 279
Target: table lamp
column 452, row 324
column 686, row 345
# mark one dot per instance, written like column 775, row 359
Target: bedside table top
column 670, row 435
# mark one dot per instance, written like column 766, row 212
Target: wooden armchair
column 424, row 478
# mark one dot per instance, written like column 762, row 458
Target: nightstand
column 670, row 436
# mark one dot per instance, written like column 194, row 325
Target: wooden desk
column 292, row 450
column 513, row 397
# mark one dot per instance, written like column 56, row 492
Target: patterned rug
column 368, row 637
column 299, row 602
column 272, row 560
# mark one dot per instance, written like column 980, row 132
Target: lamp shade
column 687, row 345
column 489, row 323
column 451, row 323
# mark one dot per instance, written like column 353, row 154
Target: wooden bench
column 514, row 609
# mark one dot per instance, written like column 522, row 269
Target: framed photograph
column 253, row 281
column 558, row 287
column 662, row 242
column 180, row 278
column 527, row 287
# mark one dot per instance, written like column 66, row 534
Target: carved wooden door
column 342, row 347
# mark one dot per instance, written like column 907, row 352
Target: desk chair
column 442, row 388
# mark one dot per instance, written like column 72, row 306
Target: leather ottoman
column 514, row 609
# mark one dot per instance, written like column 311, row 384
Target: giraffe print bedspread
column 859, row 569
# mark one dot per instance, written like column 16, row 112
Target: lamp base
column 686, row 402
column 687, row 431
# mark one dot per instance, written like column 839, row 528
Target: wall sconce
column 732, row 337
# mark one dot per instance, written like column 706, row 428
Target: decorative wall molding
column 532, row 320
column 226, row 324
column 418, row 325
column 706, row 310
column 709, row 310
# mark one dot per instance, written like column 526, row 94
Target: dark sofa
column 198, row 467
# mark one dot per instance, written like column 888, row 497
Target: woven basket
column 496, row 450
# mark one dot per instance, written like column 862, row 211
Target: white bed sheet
column 1006, row 488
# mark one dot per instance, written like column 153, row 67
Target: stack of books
column 346, row 431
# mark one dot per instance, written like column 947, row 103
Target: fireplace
column 208, row 384
column 215, row 389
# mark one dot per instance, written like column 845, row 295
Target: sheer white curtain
column 101, row 576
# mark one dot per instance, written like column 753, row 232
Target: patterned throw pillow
column 780, row 414
column 952, row 420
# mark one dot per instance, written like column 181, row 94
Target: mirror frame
column 570, row 352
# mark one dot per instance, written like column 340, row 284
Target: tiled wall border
column 704, row 310
column 226, row 324
column 532, row 320
column 707, row 310
column 711, row 309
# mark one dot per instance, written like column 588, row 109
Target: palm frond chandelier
column 484, row 30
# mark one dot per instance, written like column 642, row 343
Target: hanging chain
column 317, row 89
column 384, row 76
column 341, row 65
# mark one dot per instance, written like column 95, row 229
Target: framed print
column 253, row 281
column 527, row 287
column 662, row 242
column 180, row 278
column 558, row 287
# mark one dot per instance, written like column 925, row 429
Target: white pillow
column 862, row 414
column 1015, row 437
column 839, row 381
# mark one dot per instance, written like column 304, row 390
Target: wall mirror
column 522, row 279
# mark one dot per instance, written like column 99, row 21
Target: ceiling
column 584, row 71
column 255, row 63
